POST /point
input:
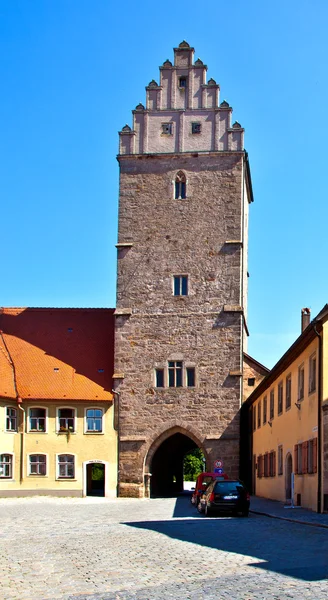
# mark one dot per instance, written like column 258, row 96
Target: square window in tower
column 196, row 127
column 180, row 285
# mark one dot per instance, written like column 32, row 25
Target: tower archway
column 165, row 461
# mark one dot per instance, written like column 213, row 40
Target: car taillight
column 247, row 496
column 211, row 498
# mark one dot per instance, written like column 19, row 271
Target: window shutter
column 274, row 465
column 259, row 466
column 315, row 442
column 305, row 457
column 296, row 459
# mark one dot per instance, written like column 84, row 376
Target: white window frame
column 58, row 477
column 57, row 419
column 37, row 475
column 9, row 406
column 94, row 432
column 29, row 430
column 12, row 477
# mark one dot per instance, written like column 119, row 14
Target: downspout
column 320, row 370
column 19, row 402
column 117, row 429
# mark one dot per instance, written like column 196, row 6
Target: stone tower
column 181, row 326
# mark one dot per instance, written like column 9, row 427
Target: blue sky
column 71, row 73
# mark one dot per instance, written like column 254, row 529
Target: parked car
column 225, row 496
column 203, row 480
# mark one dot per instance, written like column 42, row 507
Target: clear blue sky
column 71, row 72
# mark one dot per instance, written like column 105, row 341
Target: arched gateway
column 164, row 462
column 180, row 327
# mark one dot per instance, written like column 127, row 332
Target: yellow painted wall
column 291, row 427
column 85, row 447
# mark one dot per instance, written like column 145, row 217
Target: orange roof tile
column 56, row 353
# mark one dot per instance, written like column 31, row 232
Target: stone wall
column 160, row 236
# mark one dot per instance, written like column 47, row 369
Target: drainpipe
column 319, row 420
column 117, row 429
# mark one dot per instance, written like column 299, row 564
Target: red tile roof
column 56, row 353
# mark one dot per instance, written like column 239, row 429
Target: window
column 38, row 419
column 272, row 464
column 251, row 381
column 94, row 418
column 180, row 186
column 182, row 82
column 280, row 460
column 300, row 393
column 180, row 285
column 167, row 128
column 175, row 373
column 260, row 466
column 66, row 466
column 310, row 456
column 11, row 419
column 38, row 464
column 6, row 466
column 259, row 414
column 265, row 408
column 190, row 372
column 271, row 405
column 159, row 373
column 288, row 391
column 312, row 373
column 298, row 459
column 280, row 398
column 66, row 419
column 196, row 127
column 266, row 465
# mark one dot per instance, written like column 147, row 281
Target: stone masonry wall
column 199, row 236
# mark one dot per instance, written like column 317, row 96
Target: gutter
column 319, row 458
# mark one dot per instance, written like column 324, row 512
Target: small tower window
column 196, row 127
column 183, row 82
column 167, row 128
column 181, row 285
column 180, row 186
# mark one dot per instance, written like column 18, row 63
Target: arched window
column 180, row 186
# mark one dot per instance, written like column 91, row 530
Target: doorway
column 167, row 465
column 288, row 478
column 95, row 479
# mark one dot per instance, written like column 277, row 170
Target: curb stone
column 298, row 521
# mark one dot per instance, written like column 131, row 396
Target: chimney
column 306, row 317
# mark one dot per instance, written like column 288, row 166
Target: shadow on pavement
column 283, row 548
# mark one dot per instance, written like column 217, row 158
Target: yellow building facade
column 288, row 423
column 57, row 434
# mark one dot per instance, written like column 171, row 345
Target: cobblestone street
column 97, row 549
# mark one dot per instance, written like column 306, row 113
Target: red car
column 203, row 480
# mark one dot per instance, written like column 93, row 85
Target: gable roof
column 303, row 340
column 56, row 353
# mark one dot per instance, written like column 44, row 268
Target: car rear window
column 222, row 487
column 207, row 480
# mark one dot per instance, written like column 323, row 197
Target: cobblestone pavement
column 98, row 549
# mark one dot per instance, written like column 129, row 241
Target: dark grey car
column 225, row 496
